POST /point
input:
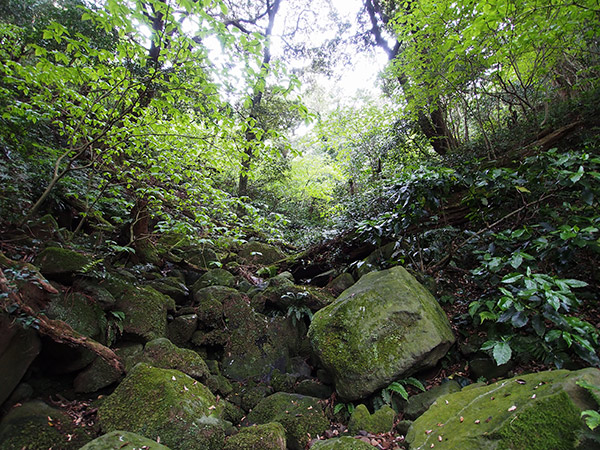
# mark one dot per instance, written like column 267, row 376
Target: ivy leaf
column 502, row 353
column 575, row 178
column 520, row 319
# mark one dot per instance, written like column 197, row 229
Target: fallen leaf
column 428, row 431
column 173, row 378
column 462, row 419
column 533, row 396
column 512, row 408
column 440, row 438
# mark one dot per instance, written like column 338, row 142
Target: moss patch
column 381, row 421
column 166, row 403
column 343, row 443
column 300, row 416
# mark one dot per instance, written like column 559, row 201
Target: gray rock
column 18, row 349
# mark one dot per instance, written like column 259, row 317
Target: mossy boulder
column 202, row 258
column 260, row 253
column 123, row 440
column 381, row 421
column 302, row 417
column 35, row 425
column 165, row 403
column 215, row 277
column 342, row 443
column 61, row 263
column 98, row 375
column 384, row 327
column 340, row 283
column 284, row 296
column 173, row 287
column 145, row 312
column 253, row 343
column 83, row 314
column 534, row 412
column 270, row 436
column 86, row 317
column 181, row 328
column 164, row 354
column 93, row 288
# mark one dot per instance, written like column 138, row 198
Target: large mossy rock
column 418, row 404
column 123, row 440
column 384, row 327
column 36, row 426
column 254, row 344
column 164, row 354
column 343, row 443
column 259, row 253
column 270, row 436
column 145, row 312
column 98, row 375
column 215, row 277
column 18, row 348
column 302, row 417
column 535, row 412
column 61, row 263
column 167, row 404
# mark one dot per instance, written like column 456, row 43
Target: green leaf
column 398, row 389
column 592, row 418
column 512, row 278
column 502, row 353
column 575, row 178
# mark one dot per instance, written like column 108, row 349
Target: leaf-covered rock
column 535, row 412
column 385, row 326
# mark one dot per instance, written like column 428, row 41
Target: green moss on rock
column 259, row 253
column 381, row 421
column 270, row 436
column 537, row 411
column 60, row 262
column 123, row 440
column 165, row 403
column 343, row 443
column 82, row 314
column 37, row 426
column 301, row 416
column 145, row 312
column 385, row 326
column 215, row 277
column 164, row 354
